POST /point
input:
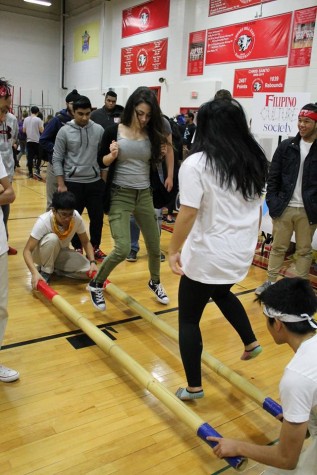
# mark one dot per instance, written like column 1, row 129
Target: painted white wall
column 30, row 59
column 31, row 55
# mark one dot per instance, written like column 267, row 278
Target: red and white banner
column 222, row 6
column 302, row 37
column 148, row 16
column 144, row 58
column 196, row 53
column 264, row 79
column 258, row 39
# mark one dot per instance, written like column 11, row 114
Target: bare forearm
column 268, row 455
column 108, row 159
column 7, row 194
column 27, row 255
column 184, row 223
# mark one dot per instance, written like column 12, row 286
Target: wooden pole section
column 231, row 376
column 183, row 412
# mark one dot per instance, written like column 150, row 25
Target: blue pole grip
column 272, row 407
column 239, row 463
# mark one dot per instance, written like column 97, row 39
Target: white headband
column 286, row 317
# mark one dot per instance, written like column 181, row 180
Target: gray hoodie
column 75, row 152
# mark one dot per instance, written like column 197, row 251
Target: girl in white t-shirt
column 220, row 183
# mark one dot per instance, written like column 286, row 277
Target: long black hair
column 154, row 127
column 236, row 158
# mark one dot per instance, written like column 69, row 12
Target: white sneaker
column 8, row 375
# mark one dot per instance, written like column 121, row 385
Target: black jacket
column 283, row 176
column 104, row 118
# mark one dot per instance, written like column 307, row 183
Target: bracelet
column 93, row 262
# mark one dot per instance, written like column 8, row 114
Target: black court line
column 78, row 339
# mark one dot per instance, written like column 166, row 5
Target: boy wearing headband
column 289, row 306
column 292, row 197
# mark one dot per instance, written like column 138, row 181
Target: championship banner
column 264, row 79
column 276, row 113
column 145, row 17
column 302, row 37
column 196, row 52
column 144, row 58
column 86, row 41
column 257, row 39
column 222, row 6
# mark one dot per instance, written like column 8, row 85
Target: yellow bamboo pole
column 183, row 412
column 213, row 363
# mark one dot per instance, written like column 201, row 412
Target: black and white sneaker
column 96, row 295
column 159, row 292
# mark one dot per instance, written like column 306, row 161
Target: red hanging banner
column 302, row 37
column 144, row 58
column 196, row 51
column 145, row 17
column 257, row 39
column 264, row 79
column 222, row 6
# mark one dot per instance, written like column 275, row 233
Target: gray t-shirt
column 133, row 163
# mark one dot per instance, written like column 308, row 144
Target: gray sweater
column 75, row 152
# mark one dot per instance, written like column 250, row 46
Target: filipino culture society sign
column 277, row 113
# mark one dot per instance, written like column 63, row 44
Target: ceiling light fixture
column 39, row 2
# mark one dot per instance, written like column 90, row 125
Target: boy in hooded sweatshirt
column 77, row 170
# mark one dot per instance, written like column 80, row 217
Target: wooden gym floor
column 76, row 411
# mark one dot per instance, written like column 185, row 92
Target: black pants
column 193, row 297
column 33, row 154
column 89, row 196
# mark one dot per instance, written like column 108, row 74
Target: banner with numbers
column 262, row 79
column 144, row 58
column 302, row 37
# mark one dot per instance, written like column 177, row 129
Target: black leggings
column 193, row 296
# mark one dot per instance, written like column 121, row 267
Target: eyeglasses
column 65, row 214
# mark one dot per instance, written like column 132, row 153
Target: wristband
column 93, row 262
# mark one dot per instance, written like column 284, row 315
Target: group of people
column 221, row 183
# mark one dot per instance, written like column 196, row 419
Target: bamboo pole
column 183, row 412
column 231, row 376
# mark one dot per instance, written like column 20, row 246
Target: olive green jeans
column 125, row 201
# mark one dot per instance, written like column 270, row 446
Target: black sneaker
column 96, row 295
column 162, row 257
column 132, row 257
column 159, row 292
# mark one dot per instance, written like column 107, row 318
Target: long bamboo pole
column 227, row 373
column 183, row 412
